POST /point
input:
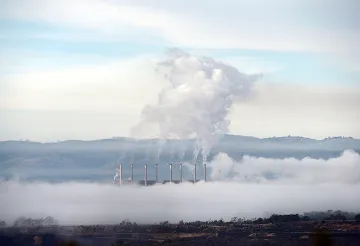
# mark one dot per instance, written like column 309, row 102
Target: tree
column 165, row 223
column 30, row 222
column 259, row 221
column 276, row 218
column 357, row 217
column 336, row 217
column 221, row 222
column 234, row 220
column 2, row 223
column 306, row 218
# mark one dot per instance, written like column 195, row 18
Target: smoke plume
column 197, row 99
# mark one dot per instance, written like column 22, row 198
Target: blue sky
column 24, row 37
column 302, row 43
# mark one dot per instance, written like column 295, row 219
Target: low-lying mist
column 85, row 203
column 342, row 169
column 251, row 188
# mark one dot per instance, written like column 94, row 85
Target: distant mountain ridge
column 97, row 159
column 242, row 137
column 230, row 144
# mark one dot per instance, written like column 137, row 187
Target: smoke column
column 182, row 149
column 197, row 99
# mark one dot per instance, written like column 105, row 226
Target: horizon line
column 173, row 139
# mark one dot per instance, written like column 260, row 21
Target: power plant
column 146, row 182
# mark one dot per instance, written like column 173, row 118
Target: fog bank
column 85, row 203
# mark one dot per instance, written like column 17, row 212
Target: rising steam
column 197, row 99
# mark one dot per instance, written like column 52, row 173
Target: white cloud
column 302, row 110
column 108, row 87
column 252, row 65
column 96, row 14
column 96, row 100
column 276, row 25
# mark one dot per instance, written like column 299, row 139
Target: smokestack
column 120, row 174
column 132, row 173
column 170, row 172
column 205, row 172
column 180, row 173
column 145, row 174
column 194, row 173
column 156, row 173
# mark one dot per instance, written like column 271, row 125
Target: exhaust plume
column 197, row 99
column 115, row 176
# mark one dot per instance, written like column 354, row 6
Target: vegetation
column 288, row 229
column 357, row 217
column 30, row 222
column 275, row 218
column 331, row 215
column 2, row 223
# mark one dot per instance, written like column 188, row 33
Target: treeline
column 332, row 215
column 275, row 218
column 2, row 223
column 278, row 218
column 329, row 215
column 31, row 222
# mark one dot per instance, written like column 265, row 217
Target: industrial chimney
column 194, row 173
column 145, row 174
column 180, row 173
column 170, row 173
column 156, row 173
column 205, row 172
column 120, row 174
column 132, row 173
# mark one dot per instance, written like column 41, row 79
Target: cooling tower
column 120, row 174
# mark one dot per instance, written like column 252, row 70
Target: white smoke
column 115, row 176
column 197, row 99
column 301, row 186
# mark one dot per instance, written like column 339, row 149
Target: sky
column 85, row 69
